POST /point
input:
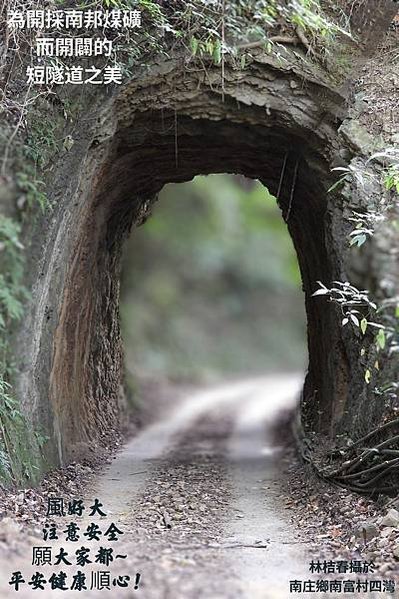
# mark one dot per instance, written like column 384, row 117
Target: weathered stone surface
column 283, row 123
column 391, row 518
column 358, row 138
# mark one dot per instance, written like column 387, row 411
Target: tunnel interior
column 161, row 147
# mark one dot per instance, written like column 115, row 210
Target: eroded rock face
column 274, row 121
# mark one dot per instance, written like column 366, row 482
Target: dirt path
column 258, row 496
column 198, row 499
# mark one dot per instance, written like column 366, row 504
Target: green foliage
column 114, row 4
column 211, row 284
column 378, row 321
column 391, row 179
column 40, row 142
column 28, row 144
column 12, row 291
column 353, row 303
column 248, row 21
column 381, row 321
column 210, row 47
column 19, row 452
column 33, row 189
column 152, row 8
column 365, row 224
column 39, row 147
column 214, row 29
column 20, row 446
column 390, row 159
column 106, row 4
column 307, row 14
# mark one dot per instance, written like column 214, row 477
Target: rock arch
column 280, row 121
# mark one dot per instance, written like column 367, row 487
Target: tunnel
column 275, row 121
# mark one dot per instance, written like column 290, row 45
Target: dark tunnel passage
column 146, row 157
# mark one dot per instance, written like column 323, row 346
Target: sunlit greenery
column 211, row 284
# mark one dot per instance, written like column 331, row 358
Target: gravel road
column 199, row 499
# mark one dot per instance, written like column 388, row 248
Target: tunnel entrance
column 159, row 148
column 211, row 290
column 272, row 122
